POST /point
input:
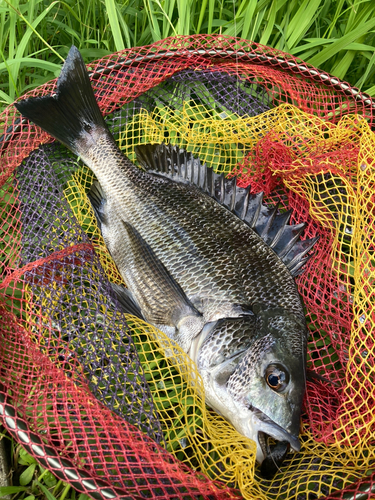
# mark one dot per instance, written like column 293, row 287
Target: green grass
column 32, row 480
column 336, row 35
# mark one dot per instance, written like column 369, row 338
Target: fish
column 204, row 261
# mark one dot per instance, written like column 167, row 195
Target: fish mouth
column 274, row 455
column 272, row 429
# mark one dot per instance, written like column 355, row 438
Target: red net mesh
column 76, row 387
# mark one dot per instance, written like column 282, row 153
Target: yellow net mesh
column 330, row 167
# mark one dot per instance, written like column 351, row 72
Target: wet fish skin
column 232, row 362
column 195, row 270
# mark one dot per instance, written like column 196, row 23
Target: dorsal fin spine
column 286, row 217
column 162, row 160
column 207, row 181
column 297, row 268
column 233, row 189
column 284, row 253
column 271, row 226
column 178, row 167
column 259, row 200
column 308, row 246
column 272, row 216
column 245, row 203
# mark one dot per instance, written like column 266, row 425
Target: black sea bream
column 204, row 261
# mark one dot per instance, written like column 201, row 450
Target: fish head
column 270, row 382
column 260, row 389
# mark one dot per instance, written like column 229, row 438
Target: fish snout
column 263, row 431
column 275, row 454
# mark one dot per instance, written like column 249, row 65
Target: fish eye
column 276, row 377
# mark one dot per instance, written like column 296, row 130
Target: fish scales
column 193, row 236
column 182, row 239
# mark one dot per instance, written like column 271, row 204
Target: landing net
column 88, row 390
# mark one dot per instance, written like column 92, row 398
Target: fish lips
column 275, row 431
column 273, row 456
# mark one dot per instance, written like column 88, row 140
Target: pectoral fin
column 160, row 298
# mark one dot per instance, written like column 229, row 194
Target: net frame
column 205, row 50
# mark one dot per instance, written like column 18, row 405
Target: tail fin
column 72, row 112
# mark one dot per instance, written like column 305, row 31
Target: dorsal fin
column 272, row 226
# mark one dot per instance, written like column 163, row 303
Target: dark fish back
column 207, row 249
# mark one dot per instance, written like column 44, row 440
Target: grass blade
column 114, row 24
column 48, row 494
column 5, row 98
column 10, row 490
column 201, row 15
column 270, row 23
column 31, row 62
column 342, row 43
column 154, row 25
column 301, row 21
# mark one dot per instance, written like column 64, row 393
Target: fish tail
column 72, row 114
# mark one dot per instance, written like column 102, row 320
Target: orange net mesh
column 88, row 391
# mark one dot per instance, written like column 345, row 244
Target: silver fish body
column 193, row 266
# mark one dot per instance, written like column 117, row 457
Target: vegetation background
column 337, row 36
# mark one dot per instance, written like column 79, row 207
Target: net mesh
column 92, row 387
